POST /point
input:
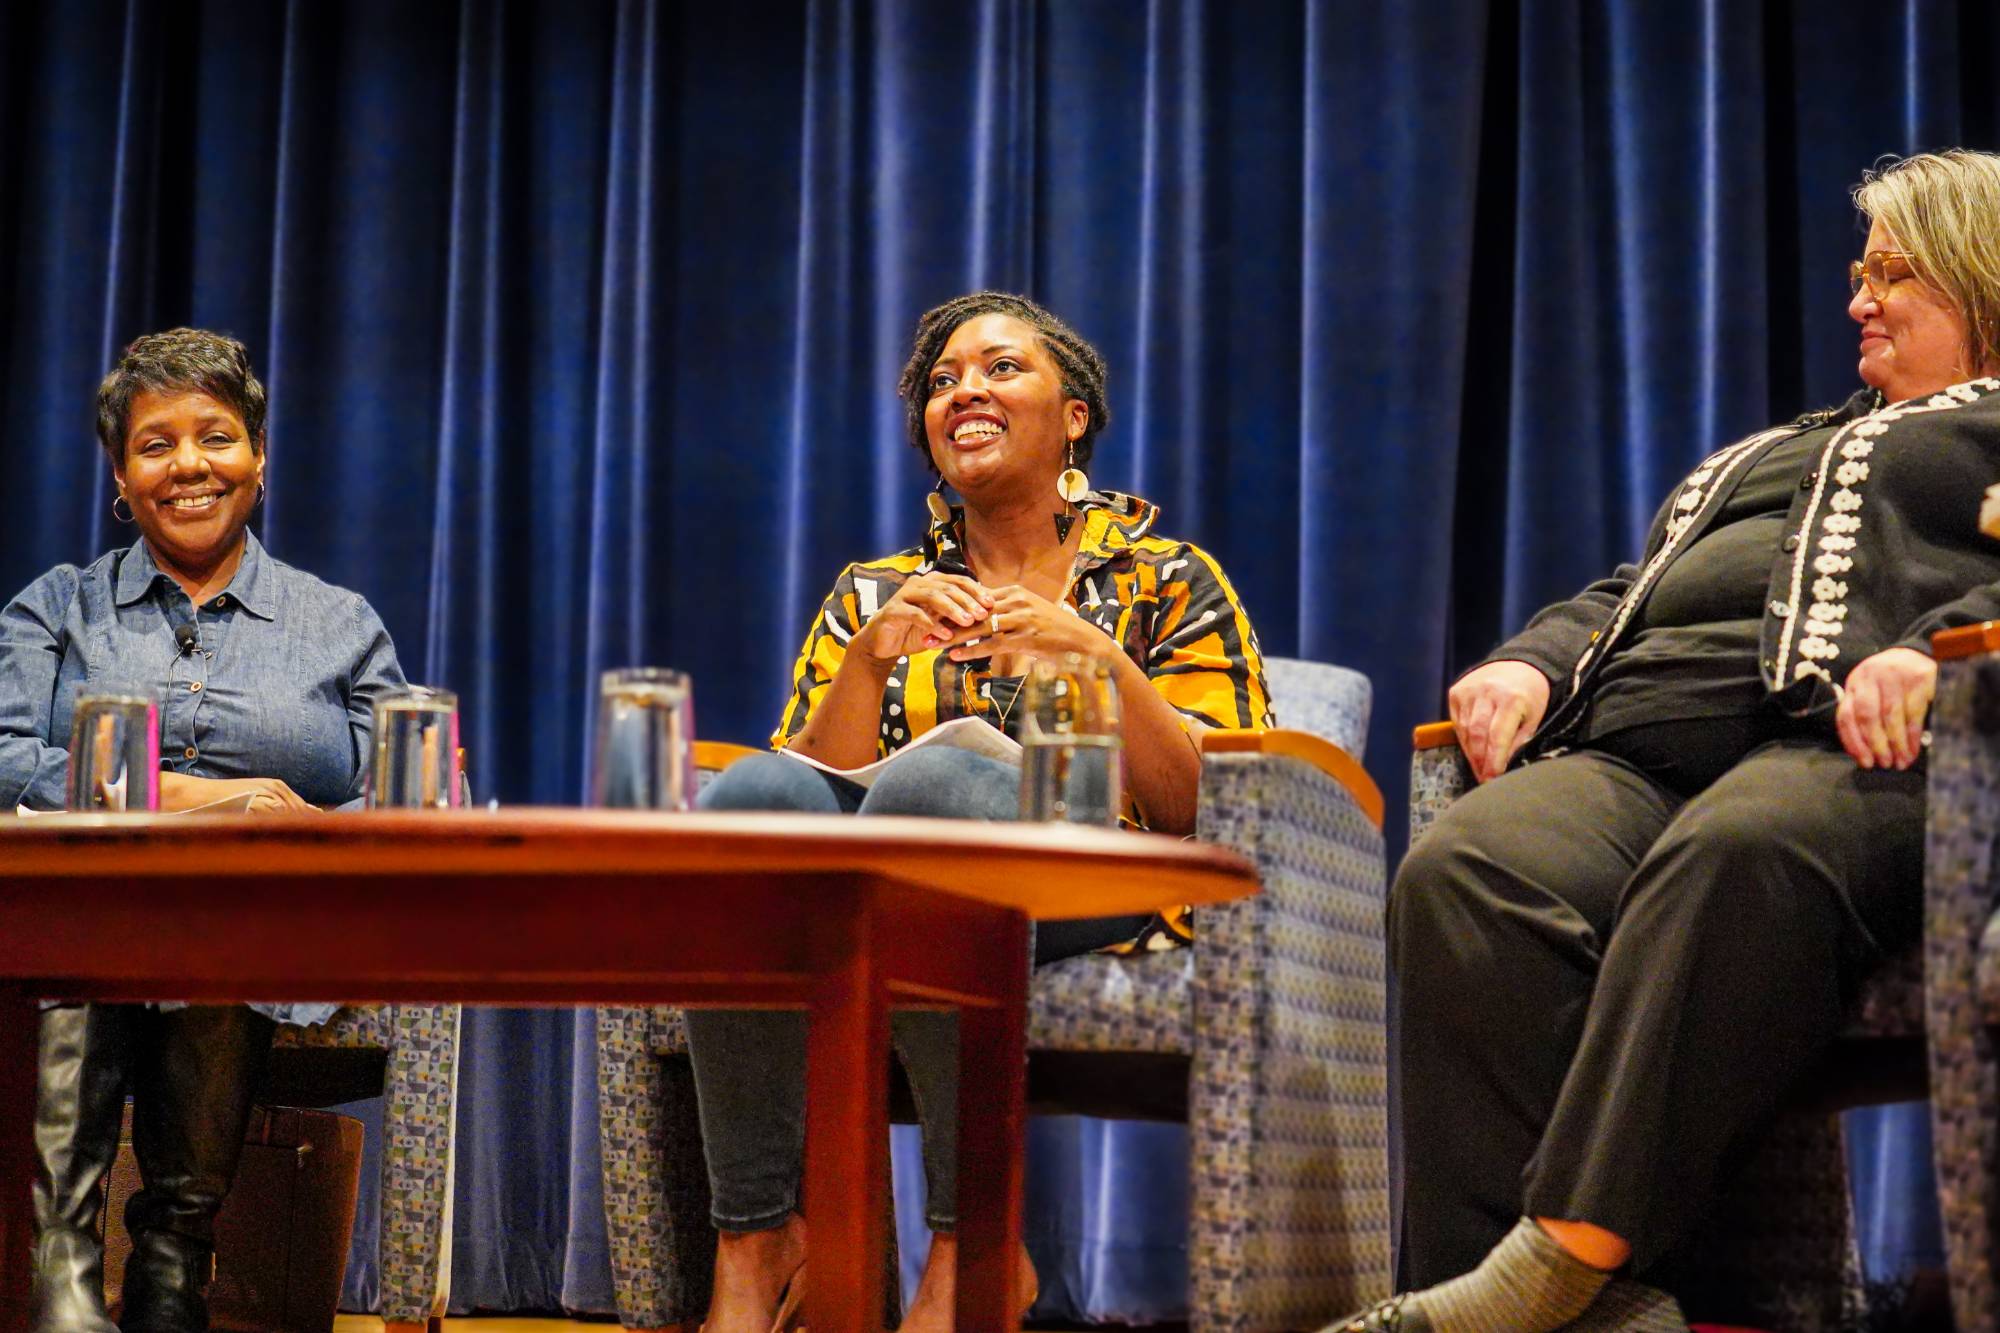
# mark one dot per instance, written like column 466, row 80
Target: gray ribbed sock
column 1528, row 1284
column 1625, row 1306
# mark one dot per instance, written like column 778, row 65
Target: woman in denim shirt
column 266, row 679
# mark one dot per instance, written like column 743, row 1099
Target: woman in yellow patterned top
column 1003, row 401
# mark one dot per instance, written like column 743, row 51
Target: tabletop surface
column 1050, row 871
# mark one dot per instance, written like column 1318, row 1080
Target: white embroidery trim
column 1825, row 617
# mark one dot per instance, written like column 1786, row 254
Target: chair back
column 1329, row 701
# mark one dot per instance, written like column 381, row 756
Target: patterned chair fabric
column 1279, row 1007
column 1961, row 959
column 1789, row 1256
column 419, row 1102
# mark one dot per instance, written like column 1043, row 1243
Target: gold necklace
column 993, row 705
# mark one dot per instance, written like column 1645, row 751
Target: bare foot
column 751, row 1270
column 933, row 1309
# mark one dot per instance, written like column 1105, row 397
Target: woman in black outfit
column 1701, row 812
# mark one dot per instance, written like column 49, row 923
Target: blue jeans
column 750, row 1064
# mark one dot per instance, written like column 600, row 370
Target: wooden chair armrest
column 1433, row 736
column 1968, row 641
column 1322, row 754
column 714, row 756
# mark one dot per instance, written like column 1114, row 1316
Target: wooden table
column 844, row 917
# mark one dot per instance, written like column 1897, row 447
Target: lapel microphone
column 187, row 637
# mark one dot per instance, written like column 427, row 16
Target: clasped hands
column 268, row 796
column 970, row 620
column 1880, row 720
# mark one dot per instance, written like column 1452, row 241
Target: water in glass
column 645, row 740
column 1071, row 759
column 114, row 753
column 416, row 750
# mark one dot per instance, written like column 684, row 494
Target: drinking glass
column 645, row 740
column 114, row 753
column 416, row 751
column 1071, row 761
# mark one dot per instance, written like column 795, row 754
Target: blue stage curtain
column 581, row 321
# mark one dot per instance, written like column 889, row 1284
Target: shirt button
column 1770, row 666
column 188, row 753
column 194, row 687
column 1781, row 608
column 1806, row 482
column 1792, row 542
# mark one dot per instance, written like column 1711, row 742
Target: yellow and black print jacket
column 1166, row 603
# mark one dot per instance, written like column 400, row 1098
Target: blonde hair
column 1944, row 209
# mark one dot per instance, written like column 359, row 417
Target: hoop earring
column 1071, row 486
column 940, row 507
column 260, row 496
column 128, row 515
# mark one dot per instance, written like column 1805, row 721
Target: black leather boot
column 79, row 1100
column 190, row 1107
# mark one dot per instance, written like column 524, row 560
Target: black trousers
column 1613, row 963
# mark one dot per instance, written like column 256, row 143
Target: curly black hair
column 179, row 361
column 1081, row 366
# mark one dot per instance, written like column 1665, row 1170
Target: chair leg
column 656, row 1203
column 418, row 1115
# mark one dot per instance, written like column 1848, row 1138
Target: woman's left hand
column 1882, row 708
column 1027, row 624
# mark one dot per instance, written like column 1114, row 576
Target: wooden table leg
column 992, row 1117
column 847, row 1126
column 20, row 1025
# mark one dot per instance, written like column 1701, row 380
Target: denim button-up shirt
column 279, row 680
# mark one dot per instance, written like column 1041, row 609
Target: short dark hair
column 1082, row 368
column 179, row 361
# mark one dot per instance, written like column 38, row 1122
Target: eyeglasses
column 1879, row 269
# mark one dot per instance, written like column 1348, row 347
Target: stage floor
column 368, row 1323
column 361, row 1323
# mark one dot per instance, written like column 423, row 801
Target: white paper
column 238, row 804
column 963, row 733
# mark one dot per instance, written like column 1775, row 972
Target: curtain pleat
column 581, row 324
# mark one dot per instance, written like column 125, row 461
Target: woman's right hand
column 929, row 611
column 1495, row 709
column 268, row 796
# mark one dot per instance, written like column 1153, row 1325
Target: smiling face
column 1912, row 338
column 191, row 475
column 997, row 420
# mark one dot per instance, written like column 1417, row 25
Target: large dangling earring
column 1072, row 486
column 117, row 500
column 940, row 507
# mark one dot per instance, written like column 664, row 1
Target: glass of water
column 1072, row 766
column 114, row 753
column 416, row 751
column 645, row 740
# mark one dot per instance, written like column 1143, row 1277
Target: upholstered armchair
column 1266, row 1037
column 409, row 1054
column 1788, row 1259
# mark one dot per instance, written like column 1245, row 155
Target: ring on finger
column 993, row 623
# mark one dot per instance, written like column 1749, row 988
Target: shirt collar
column 251, row 588
column 1112, row 523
